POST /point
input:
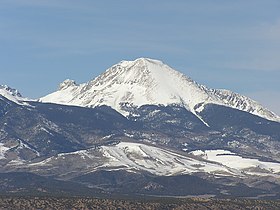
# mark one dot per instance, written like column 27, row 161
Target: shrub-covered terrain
column 152, row 204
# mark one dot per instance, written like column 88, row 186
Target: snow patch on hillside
column 3, row 150
column 232, row 160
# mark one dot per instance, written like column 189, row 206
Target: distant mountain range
column 140, row 128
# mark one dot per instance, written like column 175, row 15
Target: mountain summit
column 11, row 94
column 147, row 81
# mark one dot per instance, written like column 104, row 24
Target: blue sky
column 223, row 44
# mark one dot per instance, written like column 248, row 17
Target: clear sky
column 222, row 44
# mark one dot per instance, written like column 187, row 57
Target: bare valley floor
column 150, row 203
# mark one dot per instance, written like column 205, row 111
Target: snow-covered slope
column 246, row 165
column 244, row 103
column 146, row 81
column 161, row 161
column 164, row 162
column 12, row 94
column 134, row 156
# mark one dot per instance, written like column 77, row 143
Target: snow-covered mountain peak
column 140, row 71
column 140, row 62
column 12, row 94
column 147, row 81
column 67, row 83
column 140, row 82
column 9, row 90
